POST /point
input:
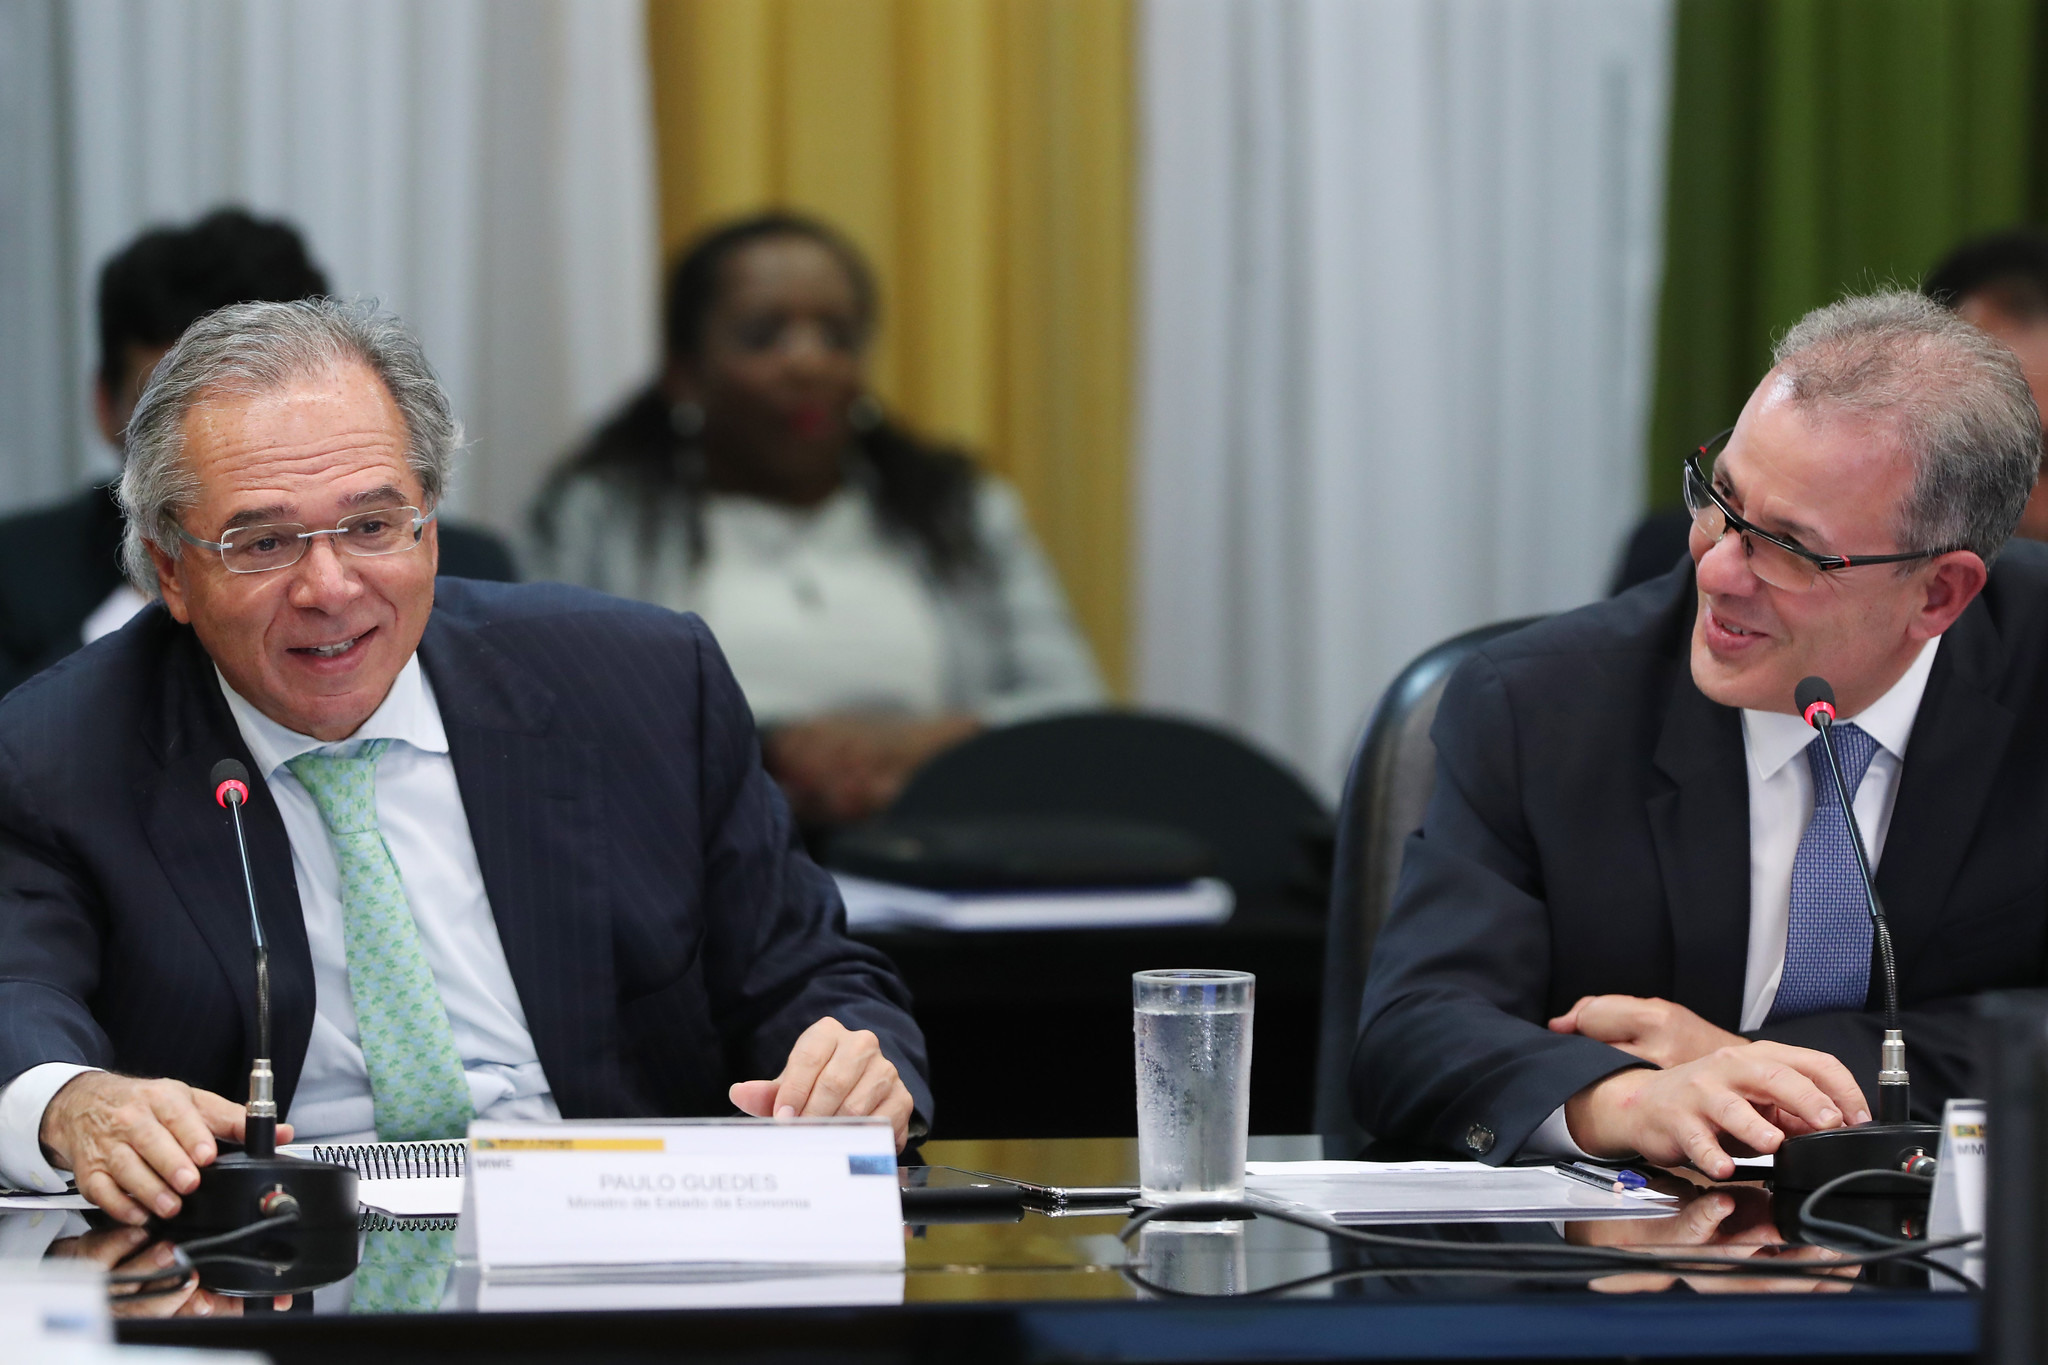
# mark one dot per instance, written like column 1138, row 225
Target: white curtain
column 1400, row 262
column 483, row 167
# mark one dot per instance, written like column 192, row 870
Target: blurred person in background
column 61, row 584
column 1998, row 283
column 879, row 599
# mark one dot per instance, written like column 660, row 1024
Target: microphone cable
column 184, row 1264
column 1519, row 1261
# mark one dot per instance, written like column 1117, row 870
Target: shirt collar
column 408, row 714
column 1773, row 738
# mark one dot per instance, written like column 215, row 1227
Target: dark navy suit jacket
column 666, row 934
column 1589, row 834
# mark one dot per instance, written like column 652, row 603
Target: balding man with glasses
column 1628, row 925
column 515, row 853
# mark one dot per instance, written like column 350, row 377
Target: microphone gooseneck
column 306, row 1211
column 231, row 789
column 1816, row 702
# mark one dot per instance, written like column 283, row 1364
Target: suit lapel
column 194, row 842
column 1700, row 825
column 534, row 802
column 1958, row 741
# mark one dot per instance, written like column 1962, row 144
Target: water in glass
column 1194, row 1058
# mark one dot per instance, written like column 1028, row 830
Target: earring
column 687, row 419
column 864, row 414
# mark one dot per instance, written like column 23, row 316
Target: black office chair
column 1268, row 833
column 1384, row 799
column 1047, row 1016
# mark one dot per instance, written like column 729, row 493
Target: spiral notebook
column 401, row 1181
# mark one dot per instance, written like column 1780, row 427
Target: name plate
column 1960, row 1184
column 710, row 1192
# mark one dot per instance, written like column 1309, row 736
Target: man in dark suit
column 1631, row 921
column 514, row 847
column 61, row 584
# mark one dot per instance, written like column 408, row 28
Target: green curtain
column 1819, row 147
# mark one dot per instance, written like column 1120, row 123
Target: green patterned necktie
column 403, row 1270
column 416, row 1080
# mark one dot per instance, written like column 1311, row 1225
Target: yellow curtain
column 980, row 152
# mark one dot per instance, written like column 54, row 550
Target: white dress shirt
column 419, row 807
column 1780, row 808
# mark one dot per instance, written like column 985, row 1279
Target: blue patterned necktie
column 1827, row 938
column 417, row 1084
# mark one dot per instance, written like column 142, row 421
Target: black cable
column 1607, row 1259
column 1807, row 1218
column 258, row 1262
column 223, row 1238
column 180, row 1266
column 184, row 1265
column 1738, row 1270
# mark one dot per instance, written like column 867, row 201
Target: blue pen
column 1605, row 1177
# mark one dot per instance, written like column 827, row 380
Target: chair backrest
column 1392, row 776
column 1261, row 822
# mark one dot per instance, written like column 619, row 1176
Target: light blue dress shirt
column 419, row 806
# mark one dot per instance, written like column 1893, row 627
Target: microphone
column 259, row 1131
column 1816, row 703
column 294, row 1222
column 1896, row 1152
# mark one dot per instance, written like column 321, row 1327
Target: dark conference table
column 1066, row 1288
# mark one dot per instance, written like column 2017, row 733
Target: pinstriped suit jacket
column 665, row 933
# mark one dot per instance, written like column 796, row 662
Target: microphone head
column 1815, row 700
column 230, row 782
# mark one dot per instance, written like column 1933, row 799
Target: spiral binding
column 369, row 1220
column 399, row 1160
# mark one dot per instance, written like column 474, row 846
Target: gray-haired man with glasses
column 1632, row 921
column 514, row 848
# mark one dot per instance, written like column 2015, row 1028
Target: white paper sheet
column 1443, row 1192
column 21, row 1200
column 874, row 904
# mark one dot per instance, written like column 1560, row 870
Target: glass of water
column 1194, row 1045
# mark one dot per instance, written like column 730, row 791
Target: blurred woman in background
column 878, row 599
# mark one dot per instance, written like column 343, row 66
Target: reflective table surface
column 1040, row 1286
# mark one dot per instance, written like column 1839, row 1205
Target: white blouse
column 828, row 608
column 816, row 609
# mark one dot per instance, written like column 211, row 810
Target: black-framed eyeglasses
column 1775, row 560
column 279, row 545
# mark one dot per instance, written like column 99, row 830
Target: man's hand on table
column 1657, row 1031
column 133, row 1146
column 1749, row 1097
column 832, row 1070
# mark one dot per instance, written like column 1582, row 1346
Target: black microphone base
column 318, row 1249
column 1895, row 1207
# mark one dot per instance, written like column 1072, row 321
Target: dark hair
column 921, row 492
column 699, row 275
column 170, row 277
column 2009, row 269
